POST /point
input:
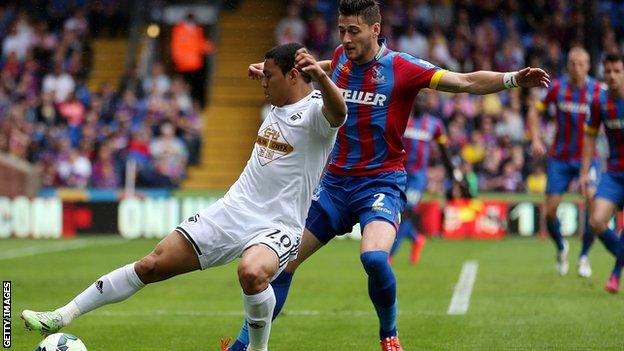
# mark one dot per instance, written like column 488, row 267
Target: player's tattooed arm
column 488, row 82
column 334, row 106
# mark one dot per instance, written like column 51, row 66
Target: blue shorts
column 561, row 173
column 339, row 202
column 416, row 186
column 611, row 187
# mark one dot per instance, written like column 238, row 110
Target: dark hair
column 613, row 57
column 284, row 57
column 368, row 9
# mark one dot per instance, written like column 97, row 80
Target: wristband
column 509, row 80
column 457, row 175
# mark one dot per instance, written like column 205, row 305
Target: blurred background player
column 570, row 96
column 249, row 222
column 366, row 178
column 422, row 130
column 608, row 110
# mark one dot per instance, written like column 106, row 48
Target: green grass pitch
column 518, row 301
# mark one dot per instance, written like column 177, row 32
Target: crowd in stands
column 487, row 134
column 81, row 137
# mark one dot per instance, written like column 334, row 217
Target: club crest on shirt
column 342, row 68
column 271, row 144
column 378, row 77
column 296, row 116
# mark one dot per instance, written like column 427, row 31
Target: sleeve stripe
column 589, row 130
column 433, row 84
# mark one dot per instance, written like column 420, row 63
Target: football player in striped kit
column 570, row 98
column 365, row 180
column 608, row 110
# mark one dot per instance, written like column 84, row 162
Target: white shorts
column 220, row 234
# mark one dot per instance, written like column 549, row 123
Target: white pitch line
column 237, row 313
column 55, row 247
column 300, row 313
column 463, row 289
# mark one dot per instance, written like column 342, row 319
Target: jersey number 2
column 379, row 201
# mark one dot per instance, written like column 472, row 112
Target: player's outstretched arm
column 488, row 82
column 334, row 106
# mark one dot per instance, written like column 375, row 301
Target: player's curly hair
column 367, row 9
column 284, row 57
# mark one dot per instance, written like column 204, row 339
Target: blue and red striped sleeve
column 413, row 74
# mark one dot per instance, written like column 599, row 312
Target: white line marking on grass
column 55, row 247
column 463, row 289
column 300, row 313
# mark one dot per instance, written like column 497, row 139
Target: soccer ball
column 61, row 342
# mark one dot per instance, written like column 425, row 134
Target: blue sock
column 588, row 237
column 554, row 230
column 280, row 285
column 610, row 241
column 619, row 262
column 381, row 290
column 404, row 230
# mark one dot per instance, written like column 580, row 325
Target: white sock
column 259, row 312
column 113, row 287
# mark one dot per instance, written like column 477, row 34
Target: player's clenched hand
column 532, row 77
column 306, row 63
column 255, row 71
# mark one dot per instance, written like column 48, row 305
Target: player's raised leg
column 281, row 286
column 172, row 256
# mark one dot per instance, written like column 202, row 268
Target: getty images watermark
column 6, row 314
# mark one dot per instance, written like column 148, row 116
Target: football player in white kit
column 260, row 218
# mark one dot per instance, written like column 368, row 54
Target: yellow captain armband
column 442, row 139
column 589, row 130
column 540, row 106
column 435, row 79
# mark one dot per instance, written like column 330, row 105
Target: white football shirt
column 286, row 164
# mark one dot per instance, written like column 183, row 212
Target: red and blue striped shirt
column 609, row 111
column 571, row 108
column 379, row 96
column 420, row 132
